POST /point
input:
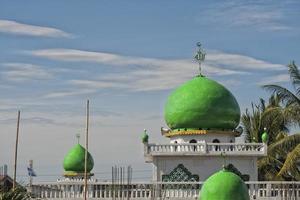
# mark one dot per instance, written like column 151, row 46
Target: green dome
column 265, row 137
column 224, row 185
column 74, row 160
column 145, row 136
column 202, row 103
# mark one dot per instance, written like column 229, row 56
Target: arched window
column 231, row 146
column 217, row 147
column 175, row 147
column 216, row 141
column 193, row 141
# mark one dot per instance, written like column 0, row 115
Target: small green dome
column 202, row 103
column 145, row 137
column 224, row 185
column 265, row 137
column 74, row 160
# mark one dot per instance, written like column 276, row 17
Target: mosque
column 202, row 156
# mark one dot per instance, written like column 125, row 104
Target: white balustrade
column 206, row 149
column 157, row 190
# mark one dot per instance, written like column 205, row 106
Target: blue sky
column 126, row 57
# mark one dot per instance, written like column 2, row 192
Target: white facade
column 203, row 166
column 204, row 154
column 210, row 138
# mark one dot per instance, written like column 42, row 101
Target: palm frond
column 284, row 94
column 274, row 101
column 295, row 76
column 280, row 136
column 285, row 145
column 290, row 165
column 262, row 105
column 267, row 161
column 267, row 168
column 292, row 114
column 17, row 194
column 246, row 122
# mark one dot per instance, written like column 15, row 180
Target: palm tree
column 283, row 149
column 272, row 117
column 283, row 110
column 288, row 98
column 289, row 146
column 17, row 194
column 281, row 160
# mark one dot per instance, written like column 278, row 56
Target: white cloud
column 242, row 62
column 24, row 72
column 264, row 19
column 218, row 63
column 113, row 83
column 262, row 16
column 13, row 27
column 68, row 93
column 282, row 78
column 152, row 74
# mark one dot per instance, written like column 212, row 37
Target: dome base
column 72, row 174
column 179, row 132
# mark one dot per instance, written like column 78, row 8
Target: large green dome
column 224, row 185
column 202, row 103
column 74, row 160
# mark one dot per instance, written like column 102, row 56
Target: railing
column 159, row 190
column 257, row 149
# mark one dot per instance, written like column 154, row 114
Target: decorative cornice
column 200, row 132
column 76, row 174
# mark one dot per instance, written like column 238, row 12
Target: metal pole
column 86, row 148
column 16, row 152
column 112, row 177
column 30, row 176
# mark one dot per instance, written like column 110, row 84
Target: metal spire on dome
column 200, row 56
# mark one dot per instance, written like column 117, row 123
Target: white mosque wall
column 204, row 166
column 209, row 138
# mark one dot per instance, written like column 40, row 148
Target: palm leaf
column 290, row 165
column 285, row 145
column 284, row 94
column 295, row 76
column 292, row 113
column 267, row 168
column 17, row 194
column 262, row 105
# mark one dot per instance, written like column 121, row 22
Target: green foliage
column 283, row 110
column 273, row 117
column 17, row 194
column 290, row 100
column 290, row 166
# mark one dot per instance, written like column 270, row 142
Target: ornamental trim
column 180, row 174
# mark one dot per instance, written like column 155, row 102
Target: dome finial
column 200, row 56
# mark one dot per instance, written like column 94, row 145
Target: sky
column 126, row 57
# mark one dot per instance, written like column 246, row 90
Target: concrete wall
column 204, row 166
column 223, row 138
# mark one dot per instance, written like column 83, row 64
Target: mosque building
column 203, row 160
column 202, row 116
